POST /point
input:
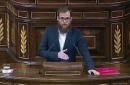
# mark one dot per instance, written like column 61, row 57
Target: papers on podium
column 107, row 70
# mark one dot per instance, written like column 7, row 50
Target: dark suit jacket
column 49, row 46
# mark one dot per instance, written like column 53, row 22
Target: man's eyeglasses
column 65, row 18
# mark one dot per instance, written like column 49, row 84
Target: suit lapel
column 57, row 39
column 68, row 39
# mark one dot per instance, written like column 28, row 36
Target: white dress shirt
column 62, row 38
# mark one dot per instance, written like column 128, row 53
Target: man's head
column 64, row 18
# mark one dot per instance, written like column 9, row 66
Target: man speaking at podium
column 61, row 42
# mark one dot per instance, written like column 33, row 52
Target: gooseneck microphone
column 77, row 49
column 51, row 47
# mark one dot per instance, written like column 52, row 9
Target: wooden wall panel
column 82, row 1
column 23, row 14
column 68, row 1
column 117, row 13
column 36, row 33
column 77, row 15
column 43, row 15
column 3, row 56
column 127, row 11
column 129, row 36
column 95, row 39
column 11, row 32
column 50, row 1
column 96, row 15
column 24, row 20
column 25, row 1
column 11, row 8
column 111, row 1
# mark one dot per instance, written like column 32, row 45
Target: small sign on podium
column 63, row 68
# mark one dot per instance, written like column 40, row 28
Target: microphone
column 51, row 47
column 77, row 49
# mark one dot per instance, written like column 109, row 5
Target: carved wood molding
column 1, row 30
column 117, row 41
column 23, row 35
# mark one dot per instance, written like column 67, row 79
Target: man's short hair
column 63, row 10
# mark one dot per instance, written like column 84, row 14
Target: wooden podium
column 63, row 68
column 29, row 75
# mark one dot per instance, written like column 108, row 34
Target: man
column 61, row 42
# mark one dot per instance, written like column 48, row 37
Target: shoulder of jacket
column 51, row 27
column 75, row 29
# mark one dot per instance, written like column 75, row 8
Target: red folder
column 107, row 70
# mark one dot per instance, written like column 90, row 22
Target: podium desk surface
column 32, row 75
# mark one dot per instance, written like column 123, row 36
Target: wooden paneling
column 11, row 8
column 24, row 20
column 95, row 15
column 50, row 1
column 91, row 41
column 43, row 15
column 77, row 15
column 2, row 3
column 90, row 36
column 23, row 14
column 127, row 11
column 36, row 33
column 82, row 1
column 129, row 37
column 5, row 57
column 95, row 39
column 25, row 1
column 117, row 13
column 111, row 1
column 5, row 83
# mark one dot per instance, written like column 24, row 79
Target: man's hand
column 93, row 72
column 63, row 55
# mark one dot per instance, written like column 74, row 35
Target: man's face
column 64, row 20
